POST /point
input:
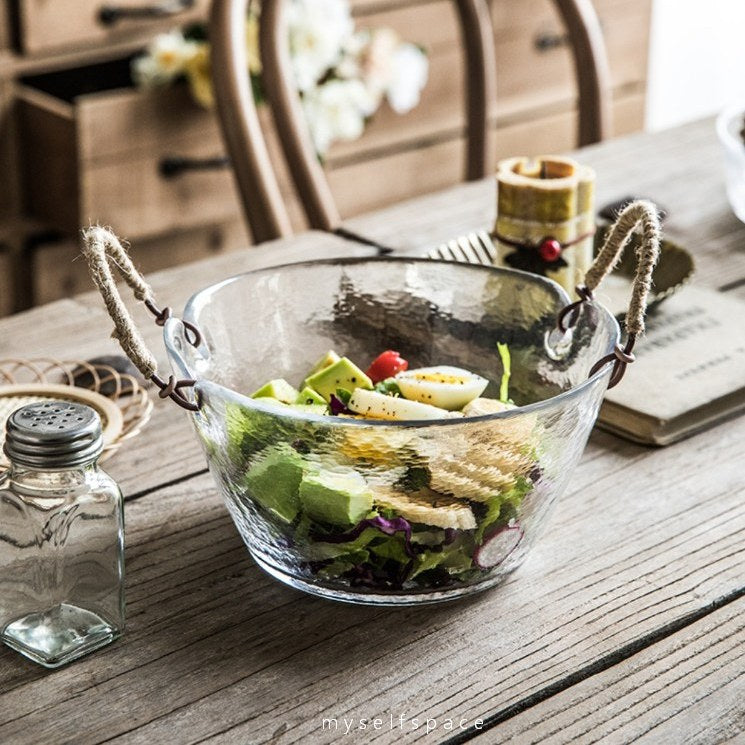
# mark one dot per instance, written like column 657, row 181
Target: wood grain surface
column 687, row 687
column 216, row 651
column 624, row 625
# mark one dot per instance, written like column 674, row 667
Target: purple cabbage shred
column 389, row 526
column 337, row 406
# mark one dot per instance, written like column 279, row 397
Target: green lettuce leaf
column 503, row 506
column 504, row 387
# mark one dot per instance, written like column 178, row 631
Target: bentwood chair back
column 263, row 205
column 310, row 180
column 262, row 202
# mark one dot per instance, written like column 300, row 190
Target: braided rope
column 637, row 213
column 101, row 249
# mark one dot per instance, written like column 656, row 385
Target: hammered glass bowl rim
column 199, row 298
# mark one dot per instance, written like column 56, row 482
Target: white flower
column 317, row 31
column 336, row 110
column 167, row 57
column 350, row 64
column 146, row 73
column 410, row 71
column 376, row 60
column 172, row 52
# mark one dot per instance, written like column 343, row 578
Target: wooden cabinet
column 79, row 144
column 59, row 271
column 399, row 157
column 119, row 156
column 535, row 67
column 46, row 25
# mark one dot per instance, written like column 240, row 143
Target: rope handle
column 102, row 249
column 639, row 213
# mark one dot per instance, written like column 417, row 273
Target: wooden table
column 625, row 624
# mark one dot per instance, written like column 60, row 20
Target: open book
column 689, row 373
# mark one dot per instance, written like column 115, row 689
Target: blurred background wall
column 696, row 60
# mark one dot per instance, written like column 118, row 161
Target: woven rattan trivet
column 124, row 409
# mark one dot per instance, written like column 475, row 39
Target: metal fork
column 474, row 248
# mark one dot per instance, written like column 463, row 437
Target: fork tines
column 474, row 248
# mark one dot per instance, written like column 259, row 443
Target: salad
column 389, row 509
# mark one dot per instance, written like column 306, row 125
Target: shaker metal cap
column 53, row 434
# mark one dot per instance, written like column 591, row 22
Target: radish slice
column 498, row 546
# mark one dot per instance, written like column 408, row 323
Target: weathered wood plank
column 214, row 650
column 689, row 687
column 656, row 166
column 80, row 328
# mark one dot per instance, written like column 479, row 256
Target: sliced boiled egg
column 446, row 387
column 374, row 405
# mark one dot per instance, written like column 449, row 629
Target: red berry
column 550, row 250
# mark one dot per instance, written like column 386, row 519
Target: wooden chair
column 263, row 204
column 308, row 175
column 591, row 69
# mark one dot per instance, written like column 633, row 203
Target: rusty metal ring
column 166, row 389
column 619, row 369
column 171, row 390
column 603, row 361
column 570, row 312
column 163, row 316
column 621, row 357
column 196, row 339
column 569, row 315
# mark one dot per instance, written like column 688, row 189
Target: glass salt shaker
column 61, row 536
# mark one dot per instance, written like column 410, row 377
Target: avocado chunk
column 308, row 397
column 249, row 430
column 327, row 360
column 279, row 389
column 335, row 498
column 342, row 374
column 274, row 480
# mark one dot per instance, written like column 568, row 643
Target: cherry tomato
column 386, row 365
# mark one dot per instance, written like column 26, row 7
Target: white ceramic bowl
column 730, row 124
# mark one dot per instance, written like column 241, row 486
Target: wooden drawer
column 535, row 68
column 368, row 185
column 556, row 133
column 92, row 155
column 534, row 58
column 59, row 271
column 429, row 167
column 47, row 25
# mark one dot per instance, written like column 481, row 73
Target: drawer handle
column 548, row 41
column 175, row 165
column 108, row 15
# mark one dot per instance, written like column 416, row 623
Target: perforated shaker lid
column 53, row 434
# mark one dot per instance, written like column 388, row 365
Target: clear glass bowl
column 730, row 124
column 391, row 512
